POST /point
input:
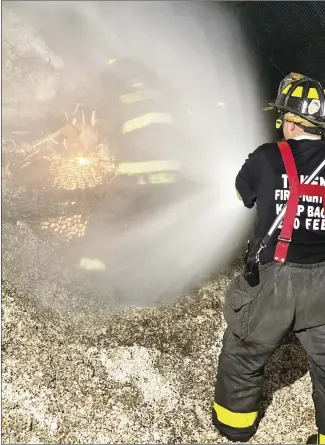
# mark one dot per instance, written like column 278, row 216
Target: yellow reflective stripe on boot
column 321, row 439
column 235, row 420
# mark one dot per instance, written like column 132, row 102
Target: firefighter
column 138, row 114
column 289, row 291
column 146, row 136
column 143, row 111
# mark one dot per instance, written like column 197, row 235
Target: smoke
column 199, row 51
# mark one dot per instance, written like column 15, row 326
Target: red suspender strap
column 313, row 190
column 296, row 190
column 282, row 247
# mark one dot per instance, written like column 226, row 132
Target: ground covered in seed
column 136, row 376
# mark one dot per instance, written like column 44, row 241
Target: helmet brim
column 274, row 106
column 269, row 109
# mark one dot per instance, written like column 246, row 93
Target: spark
column 8, row 171
column 39, row 142
column 76, row 109
column 67, row 117
column 53, row 140
column 14, row 143
column 32, row 154
column 48, row 138
column 21, row 132
column 93, row 118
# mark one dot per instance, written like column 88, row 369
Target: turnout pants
column 289, row 297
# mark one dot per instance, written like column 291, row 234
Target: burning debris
column 61, row 169
column 68, row 227
column 79, row 173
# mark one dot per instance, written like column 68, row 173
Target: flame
column 82, row 160
column 76, row 162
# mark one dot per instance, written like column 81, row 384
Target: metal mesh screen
column 289, row 35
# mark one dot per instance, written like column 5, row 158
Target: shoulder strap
column 296, row 190
column 282, row 247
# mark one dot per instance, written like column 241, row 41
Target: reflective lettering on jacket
column 145, row 120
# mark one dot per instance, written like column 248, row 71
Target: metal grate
column 290, row 35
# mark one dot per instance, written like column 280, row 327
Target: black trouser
column 289, row 297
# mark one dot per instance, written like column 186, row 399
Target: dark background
column 286, row 36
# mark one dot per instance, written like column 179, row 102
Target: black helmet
column 300, row 95
column 131, row 73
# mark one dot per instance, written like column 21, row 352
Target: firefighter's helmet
column 131, row 73
column 302, row 96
